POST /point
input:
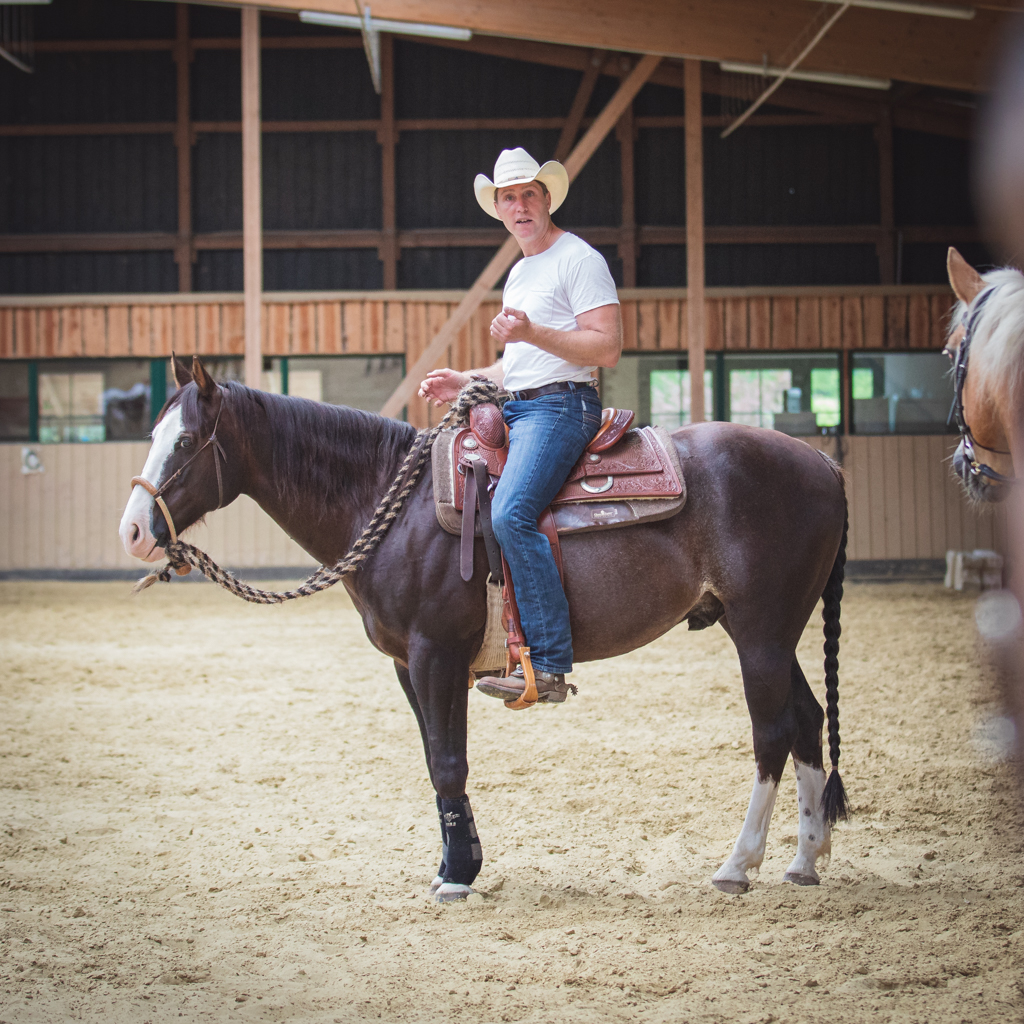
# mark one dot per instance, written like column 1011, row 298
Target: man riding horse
column 560, row 321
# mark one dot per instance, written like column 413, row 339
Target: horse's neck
column 326, row 530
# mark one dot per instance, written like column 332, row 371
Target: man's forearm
column 495, row 372
column 584, row 348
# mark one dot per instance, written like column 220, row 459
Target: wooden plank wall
column 67, row 517
column 404, row 322
column 904, row 503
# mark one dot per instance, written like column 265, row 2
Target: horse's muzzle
column 978, row 489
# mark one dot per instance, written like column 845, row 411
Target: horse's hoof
column 435, row 885
column 730, row 885
column 450, row 892
column 797, row 879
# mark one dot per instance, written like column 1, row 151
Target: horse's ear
column 963, row 278
column 181, row 374
column 203, row 380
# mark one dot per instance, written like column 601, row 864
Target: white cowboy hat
column 517, row 167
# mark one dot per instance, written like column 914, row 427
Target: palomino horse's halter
column 978, row 469
column 158, row 492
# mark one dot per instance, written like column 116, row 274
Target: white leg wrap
column 748, row 853
column 814, row 838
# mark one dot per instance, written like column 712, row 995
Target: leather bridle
column 977, row 468
column 158, row 492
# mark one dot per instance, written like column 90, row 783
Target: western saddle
column 624, row 476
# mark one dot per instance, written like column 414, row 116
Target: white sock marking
column 748, row 853
column 814, row 839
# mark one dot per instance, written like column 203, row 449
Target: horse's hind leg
column 767, row 686
column 814, row 838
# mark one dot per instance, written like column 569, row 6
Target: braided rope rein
column 181, row 555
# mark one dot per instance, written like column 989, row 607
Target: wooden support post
column 183, row 252
column 694, row 237
column 504, row 257
column 252, row 199
column 626, row 131
column 580, row 101
column 388, row 139
column 886, row 245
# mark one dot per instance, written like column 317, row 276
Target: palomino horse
column 986, row 344
column 761, row 538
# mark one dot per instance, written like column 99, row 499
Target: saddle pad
column 653, row 457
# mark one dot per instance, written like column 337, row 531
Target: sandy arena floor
column 212, row 810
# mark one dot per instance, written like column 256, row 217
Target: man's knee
column 509, row 520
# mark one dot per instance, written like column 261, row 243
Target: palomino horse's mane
column 322, row 452
column 997, row 344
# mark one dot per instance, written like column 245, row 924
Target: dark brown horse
column 760, row 539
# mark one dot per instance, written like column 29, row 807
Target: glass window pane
column 656, row 388
column 901, row 393
column 14, row 410
column 88, row 400
column 863, row 383
column 670, row 397
column 796, row 393
column 825, row 396
column 360, row 382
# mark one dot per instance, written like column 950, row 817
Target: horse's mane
column 997, row 346
column 329, row 453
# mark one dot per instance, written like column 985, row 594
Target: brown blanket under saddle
column 638, row 480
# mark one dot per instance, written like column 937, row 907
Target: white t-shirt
column 553, row 288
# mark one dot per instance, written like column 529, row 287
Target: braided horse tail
column 833, row 801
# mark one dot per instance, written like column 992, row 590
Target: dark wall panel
column 321, row 181
column 217, row 183
column 69, row 87
column 925, row 263
column 87, row 272
column 88, row 183
column 660, row 174
column 218, row 270
column 432, row 81
column 314, row 180
column 766, row 265
column 661, row 266
column 288, row 270
column 442, row 268
column 317, row 85
column 932, row 179
column 321, row 270
column 791, row 175
column 104, row 19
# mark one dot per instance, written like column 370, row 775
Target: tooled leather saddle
column 623, row 477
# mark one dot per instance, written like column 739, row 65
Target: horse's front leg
column 438, row 693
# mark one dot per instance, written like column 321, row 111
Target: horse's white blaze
column 814, row 839
column 136, row 532
column 748, row 853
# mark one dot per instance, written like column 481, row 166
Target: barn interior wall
column 904, row 504
column 807, row 175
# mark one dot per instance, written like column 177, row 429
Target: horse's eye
column 185, row 442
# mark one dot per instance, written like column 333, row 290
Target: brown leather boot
column 551, row 689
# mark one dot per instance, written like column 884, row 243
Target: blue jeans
column 547, row 435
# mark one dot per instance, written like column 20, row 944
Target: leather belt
column 551, row 389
